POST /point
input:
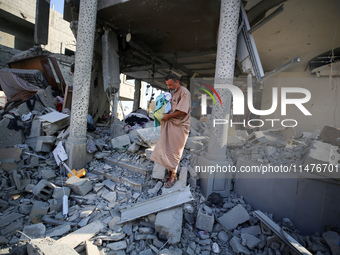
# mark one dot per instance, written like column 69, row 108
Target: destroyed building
column 259, row 173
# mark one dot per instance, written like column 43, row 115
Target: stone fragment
column 158, row 171
column 120, row 141
column 330, row 135
column 12, row 228
column 41, row 143
column 59, row 192
column 3, row 240
column 9, row 137
column 48, row 246
column 215, row 248
column 59, row 230
column 237, row 247
column 155, row 189
column 6, row 220
column 175, row 251
column 113, row 223
column 116, row 246
column 250, row 240
column 234, row 217
column 110, row 196
column 149, row 135
column 109, row 184
column 223, row 236
column 332, row 239
column 254, row 230
column 169, row 224
column 38, row 211
column 79, row 186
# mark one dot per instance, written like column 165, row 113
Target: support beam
column 224, row 74
column 136, row 98
column 76, row 144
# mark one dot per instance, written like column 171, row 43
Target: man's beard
column 173, row 90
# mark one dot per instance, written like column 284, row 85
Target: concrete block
column 43, row 190
column 234, row 217
column 59, row 230
column 38, row 211
column 237, row 247
column 117, row 246
column 117, row 130
column 41, row 143
column 133, row 135
column 79, row 186
column 149, row 136
column 10, row 153
column 234, row 142
column 330, row 135
column 332, row 239
column 47, row 174
column 192, row 144
column 86, row 211
column 204, row 221
column 158, row 171
column 12, row 228
column 113, row 223
column 120, row 141
column 34, row 161
column 53, row 128
column 6, row 220
column 59, row 192
column 33, row 231
column 169, row 224
column 36, row 128
column 148, row 153
column 110, row 196
column 192, row 182
column 110, row 184
column 134, row 147
column 250, row 240
column 8, row 137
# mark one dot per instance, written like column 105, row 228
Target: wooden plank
column 83, row 234
column 295, row 245
column 156, row 204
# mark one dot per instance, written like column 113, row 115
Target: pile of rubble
column 121, row 205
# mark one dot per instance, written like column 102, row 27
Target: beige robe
column 174, row 132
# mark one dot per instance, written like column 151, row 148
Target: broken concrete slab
column 234, row 217
column 134, row 168
column 234, row 142
column 109, row 184
column 254, row 230
column 33, row 231
column 52, row 128
column 59, row 192
column 158, row 171
column 10, row 153
column 110, row 196
column 91, row 249
column 149, row 135
column 39, row 210
column 156, row 204
column 155, row 189
column 80, row 186
column 120, row 141
column 48, row 246
column 59, row 230
column 85, row 233
column 117, row 246
column 250, row 240
column 332, row 239
column 41, row 143
column 36, row 128
column 6, row 220
column 237, row 247
column 169, row 224
column 9, row 137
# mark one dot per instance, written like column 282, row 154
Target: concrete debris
column 121, row 207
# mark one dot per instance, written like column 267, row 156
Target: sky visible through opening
column 58, row 5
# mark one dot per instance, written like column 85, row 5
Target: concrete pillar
column 224, row 73
column 136, row 98
column 76, row 144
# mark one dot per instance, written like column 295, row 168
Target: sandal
column 170, row 182
column 167, row 176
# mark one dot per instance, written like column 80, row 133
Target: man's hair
column 171, row 76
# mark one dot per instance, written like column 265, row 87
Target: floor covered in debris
column 121, row 205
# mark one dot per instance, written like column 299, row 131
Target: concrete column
column 136, row 98
column 76, row 144
column 224, row 73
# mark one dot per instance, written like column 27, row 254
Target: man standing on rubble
column 175, row 127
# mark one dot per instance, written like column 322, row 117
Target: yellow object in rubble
column 79, row 173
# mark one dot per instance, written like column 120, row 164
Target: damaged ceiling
column 157, row 36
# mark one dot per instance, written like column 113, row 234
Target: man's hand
column 166, row 117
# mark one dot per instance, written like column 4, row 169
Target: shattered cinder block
column 204, row 221
column 43, row 190
column 234, row 217
column 9, row 137
column 79, row 186
column 120, row 141
column 158, row 171
column 169, row 224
